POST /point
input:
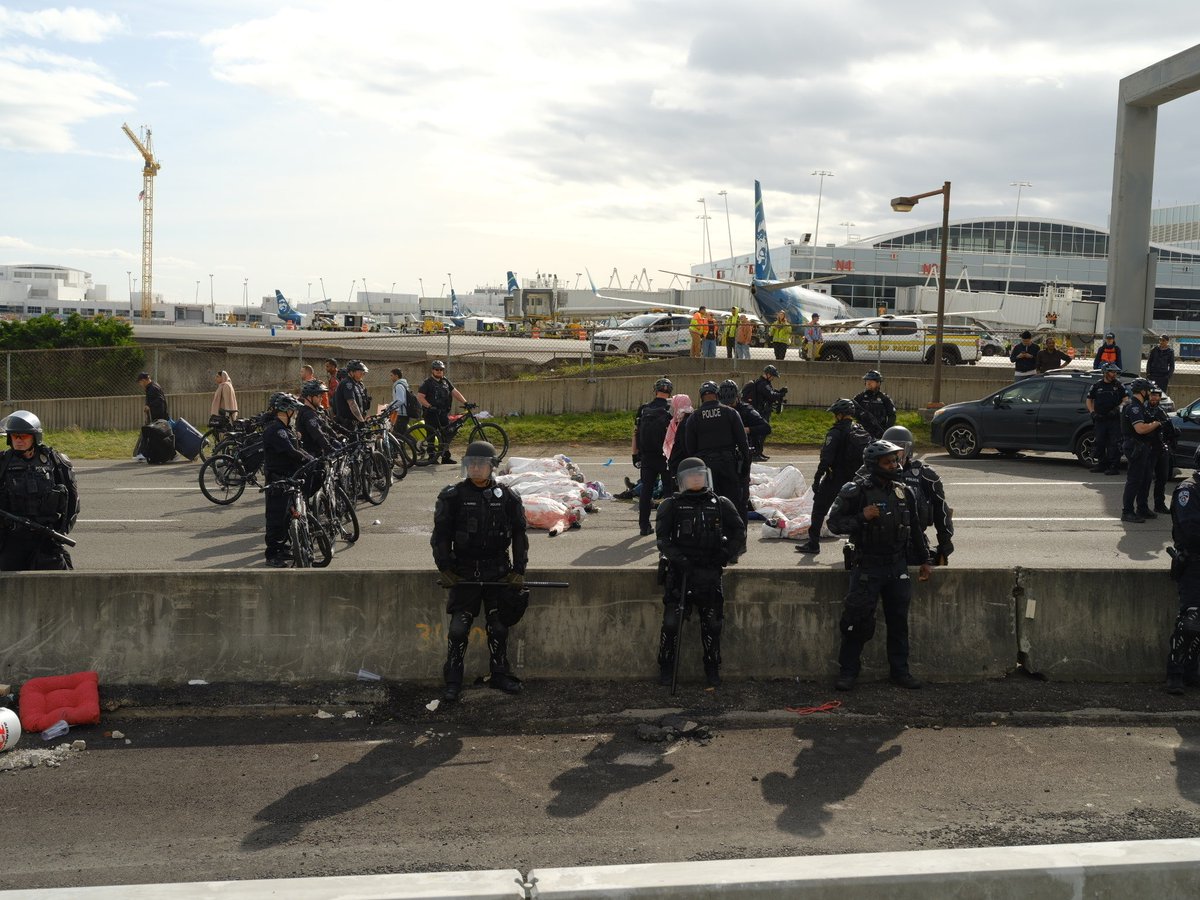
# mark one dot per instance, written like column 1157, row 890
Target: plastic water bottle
column 58, row 729
column 364, row 675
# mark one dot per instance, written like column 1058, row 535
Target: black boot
column 712, row 672
column 666, row 674
column 452, row 691
column 1174, row 684
column 502, row 681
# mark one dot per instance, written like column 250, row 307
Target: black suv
column 1043, row 412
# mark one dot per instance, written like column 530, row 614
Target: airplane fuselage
column 795, row 303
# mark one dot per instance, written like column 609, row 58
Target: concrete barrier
column 1120, row 869
column 265, row 626
column 497, row 884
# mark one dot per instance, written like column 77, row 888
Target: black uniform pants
column 780, row 349
column 868, row 586
column 438, row 421
column 822, row 501
column 463, row 606
column 277, row 523
column 726, row 474
column 1138, row 478
column 651, row 471
column 705, row 595
column 1162, row 472
column 1108, row 442
column 1185, row 636
column 23, row 551
column 1160, row 378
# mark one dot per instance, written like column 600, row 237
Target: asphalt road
column 1039, row 511
column 558, row 777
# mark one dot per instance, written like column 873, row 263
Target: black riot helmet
column 1141, row 386
column 693, row 475
column 479, row 452
column 313, row 388
column 873, row 375
column 901, row 436
column 22, row 422
column 281, row 402
column 727, row 393
column 709, row 387
column 845, row 407
column 664, row 386
column 771, row 370
column 878, row 451
column 356, row 365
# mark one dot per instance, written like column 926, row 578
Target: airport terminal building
column 992, row 254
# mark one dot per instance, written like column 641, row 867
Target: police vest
column 713, row 431
column 886, row 535
column 911, row 475
column 696, row 523
column 30, row 489
column 481, row 527
column 1108, row 354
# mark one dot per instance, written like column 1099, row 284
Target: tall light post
column 129, row 279
column 728, row 230
column 848, row 225
column 246, row 298
column 905, row 204
column 703, row 236
column 212, row 306
column 421, row 282
column 817, row 228
column 707, row 237
column 1012, row 244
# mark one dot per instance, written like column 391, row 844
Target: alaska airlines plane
column 285, row 309
column 513, row 287
column 770, row 293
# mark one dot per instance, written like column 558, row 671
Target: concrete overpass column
column 1130, row 301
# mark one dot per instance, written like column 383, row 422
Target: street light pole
column 905, row 204
column 728, row 230
column 848, row 225
column 212, row 306
column 129, row 280
column 707, row 237
column 817, row 227
column 1012, row 245
column 246, row 298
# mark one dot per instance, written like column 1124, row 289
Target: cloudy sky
column 398, row 142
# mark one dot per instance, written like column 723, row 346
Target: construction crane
column 148, row 172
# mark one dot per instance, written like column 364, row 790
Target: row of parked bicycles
column 322, row 495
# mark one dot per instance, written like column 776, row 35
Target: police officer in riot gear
column 756, row 431
column 316, row 436
column 717, row 435
column 841, row 455
column 930, row 494
column 282, row 458
column 878, row 512
column 351, row 404
column 698, row 534
column 876, row 411
column 649, row 432
column 1104, row 399
column 763, row 395
column 1141, row 434
column 436, row 396
column 475, row 523
column 37, row 484
column 1164, row 449
column 1185, row 569
column 757, row 427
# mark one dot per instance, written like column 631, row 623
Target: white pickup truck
column 899, row 339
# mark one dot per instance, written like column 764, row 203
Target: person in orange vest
column 1109, row 352
column 697, row 329
column 708, row 347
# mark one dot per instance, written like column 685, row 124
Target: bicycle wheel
column 300, row 540
column 423, row 451
column 394, row 448
column 377, row 478
column 222, row 479
column 208, row 441
column 345, row 517
column 494, row 435
column 322, row 545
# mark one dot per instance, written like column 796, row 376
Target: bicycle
column 333, row 508
column 400, row 449
column 224, row 476
column 219, row 427
column 365, row 473
column 428, row 444
column 310, row 544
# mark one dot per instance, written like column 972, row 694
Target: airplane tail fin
column 455, row 309
column 763, row 270
column 513, row 287
column 284, row 306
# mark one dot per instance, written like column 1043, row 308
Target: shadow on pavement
column 634, row 548
column 609, row 768
column 831, row 769
column 382, row 770
column 1187, row 763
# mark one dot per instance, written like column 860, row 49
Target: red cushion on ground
column 75, row 698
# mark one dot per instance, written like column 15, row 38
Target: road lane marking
column 155, row 521
column 1030, row 482
column 187, row 488
column 1028, row 519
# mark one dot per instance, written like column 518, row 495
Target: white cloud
column 44, row 95
column 84, row 26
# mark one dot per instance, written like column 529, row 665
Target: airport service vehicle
column 899, row 339
column 1042, row 412
column 650, row 334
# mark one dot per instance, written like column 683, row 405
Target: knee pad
column 670, row 623
column 711, row 619
column 460, row 627
column 1189, row 621
column 496, row 628
column 856, row 626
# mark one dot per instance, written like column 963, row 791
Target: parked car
column 1044, row 412
column 649, row 333
column 1187, row 431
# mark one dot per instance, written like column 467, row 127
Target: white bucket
column 10, row 729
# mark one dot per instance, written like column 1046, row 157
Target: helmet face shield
column 477, row 468
column 694, row 475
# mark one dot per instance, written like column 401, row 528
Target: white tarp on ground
column 553, row 490
column 783, row 499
